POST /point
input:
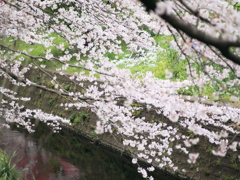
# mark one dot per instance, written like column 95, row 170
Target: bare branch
column 195, row 13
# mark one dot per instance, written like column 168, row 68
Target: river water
column 64, row 156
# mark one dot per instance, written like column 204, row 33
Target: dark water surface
column 64, row 156
column 67, row 156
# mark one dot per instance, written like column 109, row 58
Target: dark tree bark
column 222, row 45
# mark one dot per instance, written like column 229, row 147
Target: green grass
column 157, row 63
column 237, row 6
column 8, row 170
column 38, row 50
column 212, row 92
column 164, row 60
column 125, row 53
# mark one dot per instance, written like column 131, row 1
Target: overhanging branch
column 222, row 45
column 23, row 80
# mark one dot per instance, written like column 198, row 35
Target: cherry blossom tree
column 205, row 33
column 204, row 21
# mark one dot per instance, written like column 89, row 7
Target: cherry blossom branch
column 53, row 58
column 22, row 80
column 195, row 13
column 220, row 57
column 221, row 44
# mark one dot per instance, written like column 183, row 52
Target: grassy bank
column 160, row 62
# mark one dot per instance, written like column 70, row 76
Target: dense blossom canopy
column 206, row 34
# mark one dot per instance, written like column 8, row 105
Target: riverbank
column 84, row 123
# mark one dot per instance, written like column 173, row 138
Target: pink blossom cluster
column 93, row 28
